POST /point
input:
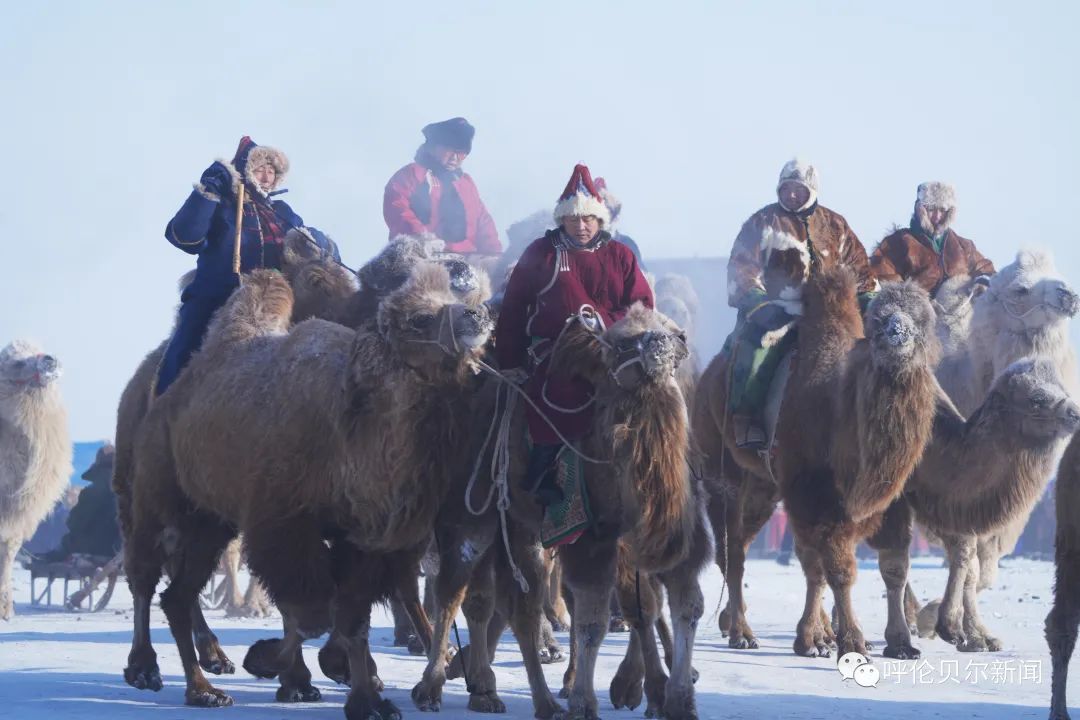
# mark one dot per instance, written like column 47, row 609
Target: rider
column 573, row 266
column 774, row 254
column 929, row 251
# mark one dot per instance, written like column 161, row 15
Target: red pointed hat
column 581, row 198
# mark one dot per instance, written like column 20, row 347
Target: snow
column 57, row 664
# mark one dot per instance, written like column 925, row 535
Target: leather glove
column 769, row 316
column 217, row 179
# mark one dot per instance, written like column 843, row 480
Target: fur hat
column 250, row 156
column 614, row 204
column 581, row 198
column 805, row 174
column 935, row 194
column 455, row 133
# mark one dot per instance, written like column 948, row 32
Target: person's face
column 581, row 228
column 265, row 176
column 936, row 216
column 793, row 195
column 449, row 158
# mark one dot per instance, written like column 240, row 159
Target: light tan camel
column 1061, row 623
column 35, row 451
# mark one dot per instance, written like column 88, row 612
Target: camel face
column 428, row 325
column 1030, row 392
column 391, row 267
column 644, row 347
column 900, row 324
column 676, row 309
column 1029, row 294
column 24, row 367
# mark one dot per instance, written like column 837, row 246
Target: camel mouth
column 1072, row 418
column 898, row 330
column 1068, row 303
column 474, row 341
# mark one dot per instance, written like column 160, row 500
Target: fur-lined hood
column 250, row 156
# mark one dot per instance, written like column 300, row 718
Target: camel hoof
column 625, row 691
column 559, row 626
column 487, row 702
column 148, row 678
column 973, row 645
column 901, row 652
column 334, row 664
column 415, row 645
column 387, row 710
column 377, row 684
column 218, row 665
column 651, row 711
column 694, row 674
column 743, row 642
column 550, row 710
column 262, row 657
column 564, row 694
column 551, row 655
column 953, row 636
column 298, row 695
column 426, row 697
column 210, row 697
column 617, row 625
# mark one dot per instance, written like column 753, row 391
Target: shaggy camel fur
column 975, row 476
column 872, row 401
column 1061, row 623
column 353, row 457
column 1024, row 313
column 35, row 451
column 322, row 288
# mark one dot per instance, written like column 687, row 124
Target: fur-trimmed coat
column 775, row 250
column 549, row 284
column 205, row 225
column 908, row 254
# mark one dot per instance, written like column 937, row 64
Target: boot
column 749, row 435
column 540, row 474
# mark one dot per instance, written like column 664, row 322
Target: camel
column 240, row 603
column 1023, row 313
column 1061, row 623
column 354, row 456
column 35, row 451
column 974, row 477
column 323, row 289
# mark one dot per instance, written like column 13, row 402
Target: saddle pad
column 565, row 522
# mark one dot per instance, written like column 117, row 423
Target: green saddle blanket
column 565, row 522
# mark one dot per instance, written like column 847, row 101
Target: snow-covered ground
column 55, row 664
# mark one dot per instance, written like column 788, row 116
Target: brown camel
column 1064, row 617
column 353, row 456
column 856, row 418
column 322, row 288
column 974, row 478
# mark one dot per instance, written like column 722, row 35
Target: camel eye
column 421, row 322
column 1021, row 290
column 1039, row 400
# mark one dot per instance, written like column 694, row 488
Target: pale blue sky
column 112, row 110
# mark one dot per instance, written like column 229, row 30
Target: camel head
column 676, row 309
column 678, row 286
column 320, row 285
column 953, row 305
column 391, row 267
column 643, row 348
column 102, row 469
column 1029, row 396
column 428, row 325
column 900, row 325
column 1029, row 294
column 25, row 368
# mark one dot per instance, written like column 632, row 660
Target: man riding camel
column 571, row 270
column 774, row 254
column 206, row 226
column 433, row 195
column 929, row 251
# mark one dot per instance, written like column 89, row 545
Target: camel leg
column 195, row 562
column 755, row 509
column 479, row 606
column 1061, row 623
column 639, row 600
column 911, row 607
column 527, row 616
column 449, row 588
column 230, row 561
column 810, row 632
column 570, row 675
column 687, row 606
column 892, row 541
column 142, row 566
column 402, row 623
column 979, row 638
column 838, row 559
column 590, row 573
column 256, row 601
column 961, row 554
column 408, row 595
column 8, row 550
column 212, row 657
column 555, row 607
column 988, row 549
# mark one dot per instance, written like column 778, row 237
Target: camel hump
column 831, row 292
column 261, row 306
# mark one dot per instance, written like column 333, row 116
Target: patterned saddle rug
column 566, row 521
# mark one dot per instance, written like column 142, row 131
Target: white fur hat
column 937, row 195
column 802, row 172
column 581, row 198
